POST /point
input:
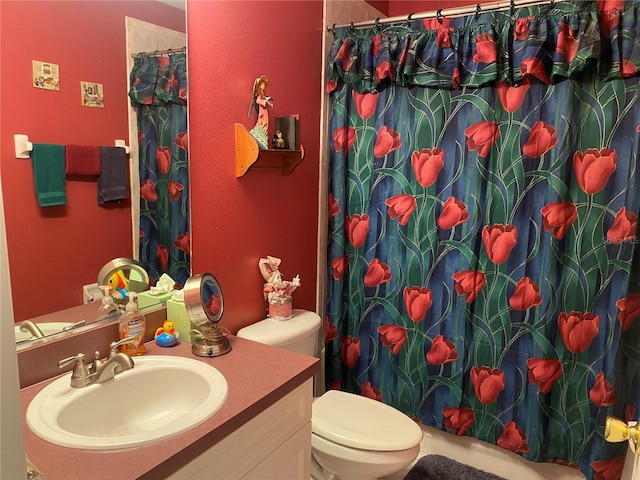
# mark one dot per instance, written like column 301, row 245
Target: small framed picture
column 46, row 75
column 92, row 94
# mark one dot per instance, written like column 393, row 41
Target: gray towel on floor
column 113, row 182
column 437, row 467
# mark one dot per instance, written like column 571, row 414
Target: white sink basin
column 160, row 397
column 47, row 328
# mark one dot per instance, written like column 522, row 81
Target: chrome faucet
column 101, row 370
column 29, row 327
column 114, row 365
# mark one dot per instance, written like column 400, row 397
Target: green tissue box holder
column 177, row 313
column 145, row 299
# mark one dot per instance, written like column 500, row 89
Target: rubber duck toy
column 119, row 284
column 166, row 336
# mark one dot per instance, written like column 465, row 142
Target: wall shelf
column 249, row 155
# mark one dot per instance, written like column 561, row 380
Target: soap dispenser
column 132, row 324
column 108, row 310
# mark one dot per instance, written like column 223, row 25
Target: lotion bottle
column 108, row 310
column 132, row 324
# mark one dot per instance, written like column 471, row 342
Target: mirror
column 205, row 306
column 55, row 251
column 123, row 275
column 66, row 322
column 30, row 330
column 120, row 275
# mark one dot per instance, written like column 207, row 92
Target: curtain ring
column 552, row 5
column 409, row 17
column 439, row 16
column 377, row 22
column 333, row 28
column 477, row 10
column 352, row 26
column 513, row 7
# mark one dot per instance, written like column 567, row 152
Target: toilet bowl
column 353, row 437
column 359, row 438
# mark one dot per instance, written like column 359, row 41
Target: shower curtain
column 159, row 94
column 482, row 206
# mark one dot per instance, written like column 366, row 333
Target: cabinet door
column 290, row 461
column 241, row 451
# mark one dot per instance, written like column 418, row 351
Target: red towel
column 82, row 160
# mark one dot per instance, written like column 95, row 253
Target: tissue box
column 177, row 313
column 145, row 299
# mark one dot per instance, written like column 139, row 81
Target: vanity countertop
column 258, row 375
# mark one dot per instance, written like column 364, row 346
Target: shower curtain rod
column 452, row 12
column 159, row 53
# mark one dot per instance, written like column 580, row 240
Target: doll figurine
column 276, row 289
column 261, row 103
column 278, row 141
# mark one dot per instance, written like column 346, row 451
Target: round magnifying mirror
column 123, row 275
column 203, row 299
column 205, row 306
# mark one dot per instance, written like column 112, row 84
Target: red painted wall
column 64, row 245
column 235, row 221
column 381, row 5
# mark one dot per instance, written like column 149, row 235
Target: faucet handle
column 113, row 346
column 81, row 374
column 77, row 359
column 74, row 325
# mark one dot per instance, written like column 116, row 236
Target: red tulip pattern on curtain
column 482, row 210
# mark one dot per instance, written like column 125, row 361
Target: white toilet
column 353, row 437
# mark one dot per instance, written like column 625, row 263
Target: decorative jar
column 281, row 308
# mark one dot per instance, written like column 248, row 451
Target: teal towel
column 48, row 174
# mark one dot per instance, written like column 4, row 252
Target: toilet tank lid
column 363, row 423
column 282, row 332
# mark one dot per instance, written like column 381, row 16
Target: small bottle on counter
column 108, row 310
column 132, row 324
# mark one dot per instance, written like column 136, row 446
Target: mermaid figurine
column 261, row 104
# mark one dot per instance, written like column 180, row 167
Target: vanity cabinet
column 262, row 431
column 276, row 444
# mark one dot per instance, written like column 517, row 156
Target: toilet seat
column 363, row 423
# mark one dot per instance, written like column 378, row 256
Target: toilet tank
column 298, row 334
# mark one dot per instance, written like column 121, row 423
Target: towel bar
column 23, row 146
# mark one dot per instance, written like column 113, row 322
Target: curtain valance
column 159, row 80
column 548, row 42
